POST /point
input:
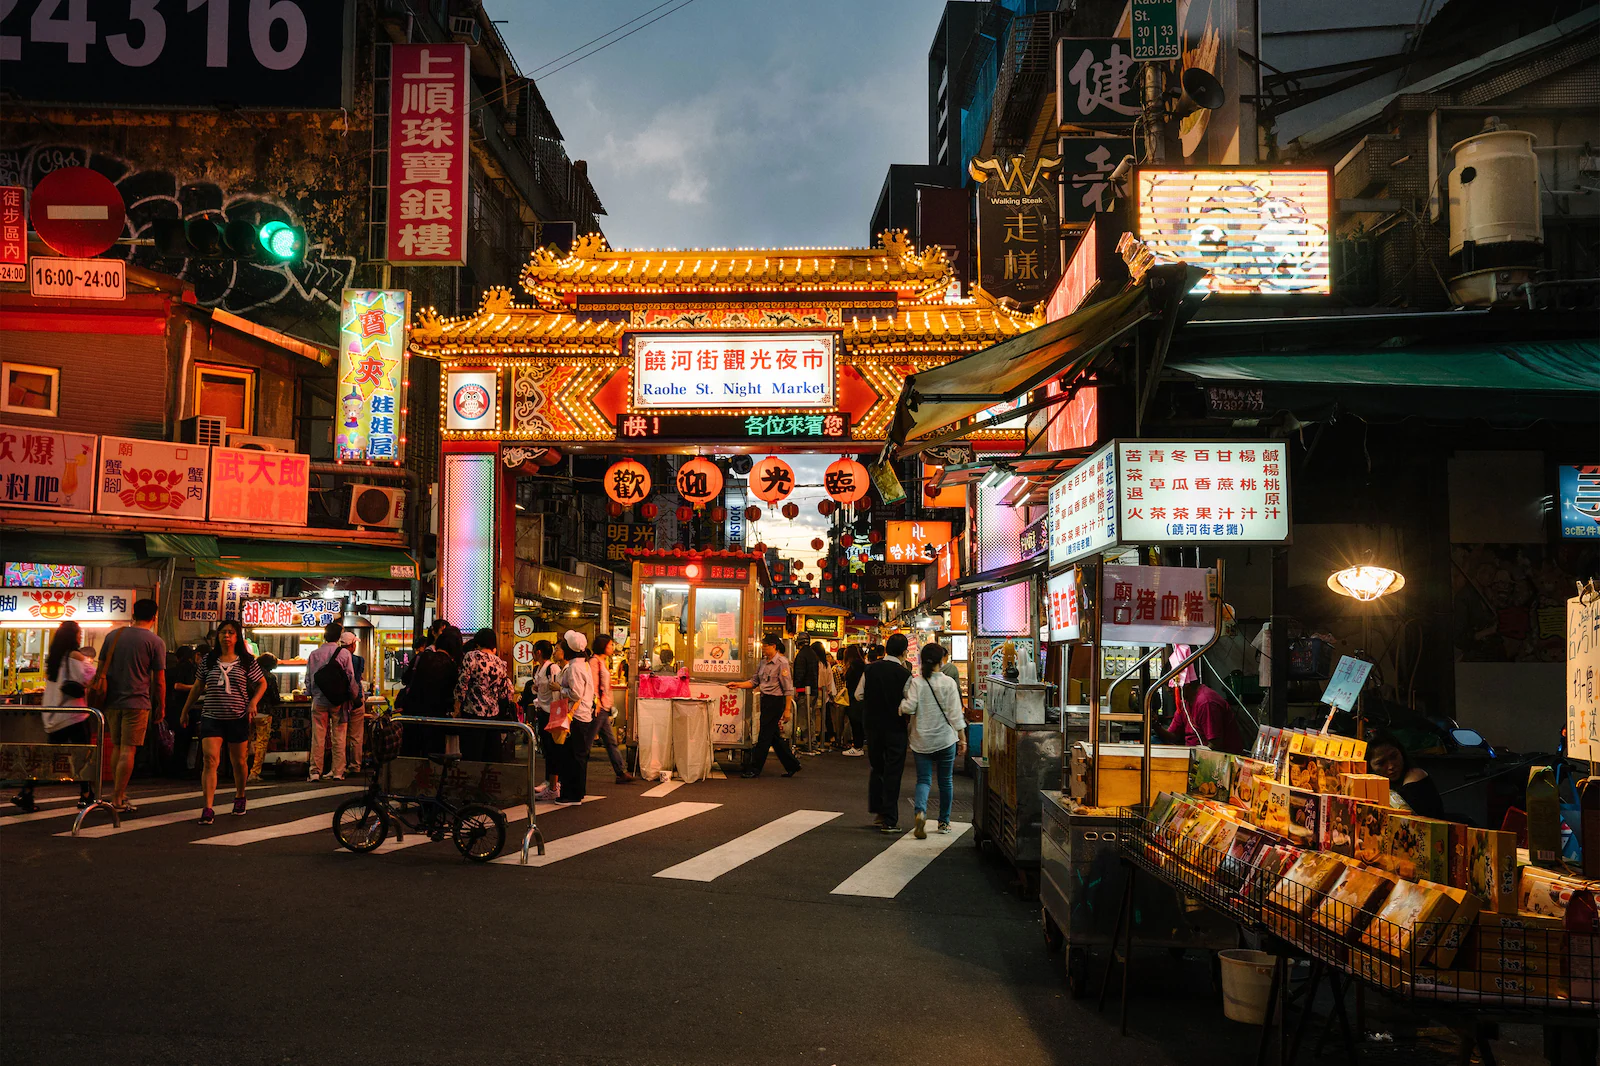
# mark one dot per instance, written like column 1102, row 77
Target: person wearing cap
column 774, row 682
column 356, row 712
column 577, row 687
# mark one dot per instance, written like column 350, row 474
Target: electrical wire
column 602, row 37
column 614, row 40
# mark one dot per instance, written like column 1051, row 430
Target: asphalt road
column 139, row 946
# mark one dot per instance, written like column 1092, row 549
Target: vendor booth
column 697, row 627
column 29, row 616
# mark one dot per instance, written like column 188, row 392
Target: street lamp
column 1366, row 582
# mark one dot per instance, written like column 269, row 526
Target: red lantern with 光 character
column 772, row 479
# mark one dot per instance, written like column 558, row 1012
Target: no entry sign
column 77, row 211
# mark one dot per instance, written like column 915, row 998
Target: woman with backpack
column 228, row 687
column 67, row 673
column 936, row 735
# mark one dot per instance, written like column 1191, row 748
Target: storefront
column 30, row 615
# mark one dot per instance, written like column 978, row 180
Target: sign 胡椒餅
column 1580, row 501
column 1209, row 491
column 732, row 370
column 1083, row 508
column 430, row 133
column 49, row 607
column 820, row 625
column 1035, row 537
column 152, row 479
column 1018, row 246
column 292, row 614
column 1156, row 605
column 43, row 468
column 773, row 428
column 372, row 374
column 270, row 488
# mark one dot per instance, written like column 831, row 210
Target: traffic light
column 267, row 244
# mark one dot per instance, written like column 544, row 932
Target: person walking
column 430, row 691
column 228, row 688
column 67, row 673
column 774, row 684
column 883, row 686
column 577, row 688
column 329, row 707
column 827, row 735
column 855, row 667
column 936, row 736
column 484, row 682
column 356, row 713
column 604, row 711
column 804, row 672
column 133, row 662
column 536, row 698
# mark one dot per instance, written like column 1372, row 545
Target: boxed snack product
column 1272, row 863
column 1517, row 984
column 1549, row 893
column 1336, row 824
column 1215, row 848
column 1409, row 904
column 1303, row 828
column 1583, row 966
column 1416, row 848
column 1277, row 812
column 1370, row 787
column 1370, row 819
column 1383, row 972
column 1302, row 771
column 1301, row 889
column 1491, row 868
column 1209, row 773
column 1328, row 771
column 1241, row 858
column 1161, row 808
column 1447, row 939
column 1261, row 799
column 1526, row 962
column 1352, row 901
column 1242, row 785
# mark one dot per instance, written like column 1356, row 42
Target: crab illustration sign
column 152, row 479
column 49, row 606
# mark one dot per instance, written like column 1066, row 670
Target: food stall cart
column 29, row 617
column 696, row 627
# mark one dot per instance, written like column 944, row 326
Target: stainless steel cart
column 1023, row 755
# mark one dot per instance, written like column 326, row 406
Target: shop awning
column 940, row 398
column 69, row 549
column 1533, row 366
column 250, row 558
column 180, row 546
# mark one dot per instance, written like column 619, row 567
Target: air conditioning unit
column 207, row 430
column 464, row 28
column 375, row 505
column 251, row 443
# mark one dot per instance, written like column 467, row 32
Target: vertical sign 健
column 372, row 375
column 429, row 109
column 1583, row 663
column 1154, row 33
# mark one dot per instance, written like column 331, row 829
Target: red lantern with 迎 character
column 846, row 481
column 791, row 511
column 752, row 514
column 699, row 481
column 771, row 479
column 628, row 482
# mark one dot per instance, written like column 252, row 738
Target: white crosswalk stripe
column 664, row 789
column 895, row 867
column 599, row 837
column 312, row 823
column 151, row 821
column 138, row 801
column 710, row 865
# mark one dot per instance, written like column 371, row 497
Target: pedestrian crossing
column 738, row 843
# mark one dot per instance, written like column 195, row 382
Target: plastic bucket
column 1246, row 983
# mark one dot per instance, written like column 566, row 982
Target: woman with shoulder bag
column 937, row 734
column 67, row 673
column 480, row 690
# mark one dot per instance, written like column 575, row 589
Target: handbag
column 97, row 695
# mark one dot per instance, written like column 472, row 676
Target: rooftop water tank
column 1495, row 221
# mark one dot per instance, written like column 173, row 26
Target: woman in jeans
column 67, row 673
column 483, row 683
column 228, row 689
column 936, row 734
column 577, row 688
column 600, row 666
column 855, row 665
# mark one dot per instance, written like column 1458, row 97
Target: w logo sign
column 1015, row 177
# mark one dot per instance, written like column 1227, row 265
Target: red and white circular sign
column 77, row 212
column 522, row 651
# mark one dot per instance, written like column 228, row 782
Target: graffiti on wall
column 308, row 289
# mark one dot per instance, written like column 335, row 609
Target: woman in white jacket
column 937, row 733
column 67, row 673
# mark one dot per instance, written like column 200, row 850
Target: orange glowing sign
column 909, row 542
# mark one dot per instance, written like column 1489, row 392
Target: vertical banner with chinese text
column 372, row 374
column 429, row 116
column 13, row 234
column 1018, row 244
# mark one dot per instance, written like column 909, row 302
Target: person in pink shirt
column 1205, row 718
column 600, row 664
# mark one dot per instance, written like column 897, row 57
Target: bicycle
column 362, row 823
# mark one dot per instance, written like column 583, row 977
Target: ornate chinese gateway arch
column 723, row 350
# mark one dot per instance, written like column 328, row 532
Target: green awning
column 180, row 546
column 1532, row 366
column 267, row 558
column 69, row 549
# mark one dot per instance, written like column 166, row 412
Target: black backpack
column 332, row 681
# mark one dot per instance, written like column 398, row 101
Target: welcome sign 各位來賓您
column 733, row 370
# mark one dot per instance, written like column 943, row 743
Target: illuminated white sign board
column 1259, row 232
column 1171, row 492
column 733, row 370
column 1064, row 607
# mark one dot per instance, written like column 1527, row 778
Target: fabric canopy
column 252, row 558
column 180, row 546
column 1532, row 366
column 67, row 549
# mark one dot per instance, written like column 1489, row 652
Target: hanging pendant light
column 1366, row 582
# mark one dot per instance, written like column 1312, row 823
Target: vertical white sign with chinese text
column 1583, row 664
column 429, row 134
column 270, row 488
column 1213, row 492
column 1064, row 608
column 152, row 479
column 1156, row 605
column 43, row 468
column 1083, row 509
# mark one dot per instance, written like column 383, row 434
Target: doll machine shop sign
column 733, row 370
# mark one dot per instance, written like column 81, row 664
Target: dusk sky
column 730, row 124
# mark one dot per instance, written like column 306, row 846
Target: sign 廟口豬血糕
column 1153, row 36
column 1157, row 605
column 303, row 613
column 153, row 479
column 1203, row 491
column 472, row 400
column 372, row 374
column 270, row 488
column 49, row 607
column 733, row 370
column 430, row 137
column 44, row 468
column 1083, row 508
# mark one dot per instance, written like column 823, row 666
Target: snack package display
column 1352, row 902
column 1447, row 938
column 1547, row 893
column 1369, row 787
column 1302, row 771
column 1271, row 864
column 1370, row 819
column 1261, row 804
column 1416, row 848
column 1209, row 773
column 1410, row 904
column 1491, row 868
column 1304, row 828
column 1241, row 858
column 1328, row 771
column 1299, row 892
column 1277, row 813
column 1241, row 786
column 1336, row 822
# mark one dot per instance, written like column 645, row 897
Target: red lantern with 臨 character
column 846, row 480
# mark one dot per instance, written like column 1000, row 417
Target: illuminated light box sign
column 1157, row 605
column 472, row 400
column 783, row 429
column 44, row 575
column 695, row 571
column 1580, row 501
column 372, row 374
column 1171, row 492
column 909, row 542
column 296, row 614
column 1063, row 606
column 43, row 468
column 51, row 606
column 723, row 370
column 1258, row 231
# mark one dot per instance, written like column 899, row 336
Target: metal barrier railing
column 532, row 838
column 95, row 761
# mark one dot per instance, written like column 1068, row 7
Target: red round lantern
column 761, row 547
column 752, row 514
column 685, row 513
column 846, row 540
column 791, row 511
column 822, row 562
column 816, row 544
column 874, row 537
column 846, row 481
column 628, row 482
column 614, row 509
column 771, row 479
column 826, row 507
column 648, row 510
column 699, row 481
column 719, row 514
column 864, row 504
column 855, row 584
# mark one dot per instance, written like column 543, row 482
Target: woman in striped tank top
column 228, row 689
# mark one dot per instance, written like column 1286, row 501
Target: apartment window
column 227, row 392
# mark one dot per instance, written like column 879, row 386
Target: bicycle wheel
column 479, row 832
column 360, row 824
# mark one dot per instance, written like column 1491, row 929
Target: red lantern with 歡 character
column 628, row 482
column 771, row 479
column 791, row 511
column 648, row 510
column 846, row 481
column 752, row 514
column 699, row 481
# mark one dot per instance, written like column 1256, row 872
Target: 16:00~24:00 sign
column 94, row 279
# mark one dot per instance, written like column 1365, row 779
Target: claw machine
column 696, row 627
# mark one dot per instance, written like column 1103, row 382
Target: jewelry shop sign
column 733, row 370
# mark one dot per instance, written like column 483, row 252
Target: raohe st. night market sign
column 1171, row 491
column 733, row 370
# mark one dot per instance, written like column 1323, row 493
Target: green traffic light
column 280, row 240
